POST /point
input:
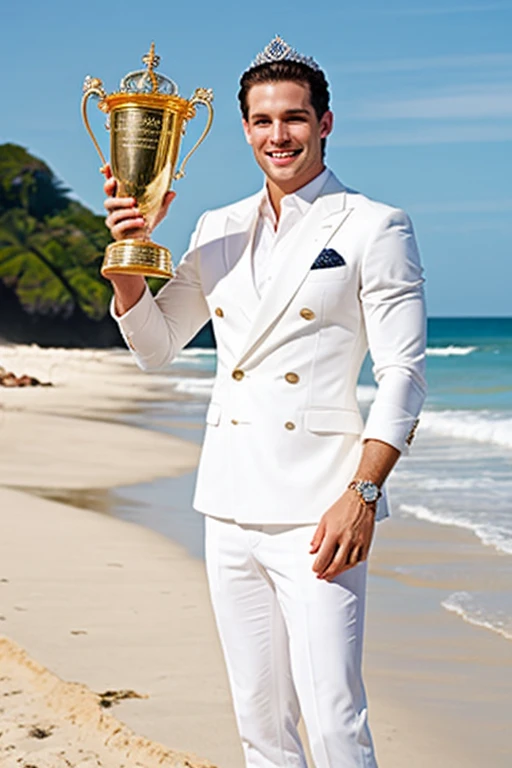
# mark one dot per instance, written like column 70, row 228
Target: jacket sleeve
column 394, row 312
column 157, row 328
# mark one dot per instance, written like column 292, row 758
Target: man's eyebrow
column 256, row 115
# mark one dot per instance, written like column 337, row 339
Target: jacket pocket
column 339, row 421
column 213, row 414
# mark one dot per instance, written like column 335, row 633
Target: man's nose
column 279, row 133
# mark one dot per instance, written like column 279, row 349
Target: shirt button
column 292, row 378
column 307, row 314
column 234, row 421
column 219, row 312
column 289, row 425
column 238, row 374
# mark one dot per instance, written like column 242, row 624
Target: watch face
column 369, row 492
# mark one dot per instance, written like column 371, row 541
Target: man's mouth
column 283, row 154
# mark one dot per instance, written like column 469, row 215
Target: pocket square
column 328, row 258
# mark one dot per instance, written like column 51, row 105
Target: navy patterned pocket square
column 328, row 258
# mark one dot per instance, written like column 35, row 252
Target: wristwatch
column 367, row 491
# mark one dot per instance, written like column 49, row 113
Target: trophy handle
column 92, row 87
column 201, row 96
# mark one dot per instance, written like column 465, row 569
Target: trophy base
column 137, row 257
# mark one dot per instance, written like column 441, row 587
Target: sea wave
column 200, row 387
column 479, row 426
column 366, row 393
column 490, row 535
column 197, row 352
column 449, row 351
column 445, row 483
column 464, row 605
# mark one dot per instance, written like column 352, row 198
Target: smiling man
column 299, row 280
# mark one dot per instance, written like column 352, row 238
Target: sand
column 91, row 604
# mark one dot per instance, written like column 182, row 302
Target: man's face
column 285, row 133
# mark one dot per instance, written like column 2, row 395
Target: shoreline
column 115, row 605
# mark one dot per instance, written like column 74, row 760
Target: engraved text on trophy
column 141, row 155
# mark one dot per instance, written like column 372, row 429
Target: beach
column 103, row 589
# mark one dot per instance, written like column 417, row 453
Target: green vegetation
column 51, row 248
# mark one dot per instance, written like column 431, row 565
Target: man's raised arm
column 154, row 328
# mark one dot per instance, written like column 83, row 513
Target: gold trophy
column 147, row 120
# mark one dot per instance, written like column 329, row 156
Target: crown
column 279, row 50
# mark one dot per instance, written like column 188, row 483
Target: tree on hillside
column 51, row 246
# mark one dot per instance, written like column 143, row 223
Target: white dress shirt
column 270, row 233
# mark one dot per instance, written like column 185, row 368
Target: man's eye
column 261, row 122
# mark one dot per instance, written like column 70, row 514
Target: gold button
column 290, row 425
column 307, row 314
column 219, row 312
column 410, row 437
column 234, row 421
column 238, row 374
column 131, row 344
column 292, row 378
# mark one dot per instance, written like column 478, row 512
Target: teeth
column 283, row 154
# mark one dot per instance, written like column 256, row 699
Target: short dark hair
column 282, row 71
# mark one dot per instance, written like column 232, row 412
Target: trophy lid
column 147, row 80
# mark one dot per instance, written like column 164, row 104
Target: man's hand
column 124, row 219
column 343, row 536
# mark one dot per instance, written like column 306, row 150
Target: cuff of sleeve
column 134, row 320
column 392, row 425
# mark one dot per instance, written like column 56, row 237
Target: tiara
column 279, row 50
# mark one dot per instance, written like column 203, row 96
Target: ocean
column 459, row 471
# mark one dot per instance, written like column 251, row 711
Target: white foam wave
column 447, row 483
column 449, row 351
column 490, row 535
column 198, row 387
column 366, row 393
column 463, row 605
column 197, row 352
column 479, row 426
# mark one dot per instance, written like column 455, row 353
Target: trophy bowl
column 147, row 120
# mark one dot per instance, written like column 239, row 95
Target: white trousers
column 292, row 645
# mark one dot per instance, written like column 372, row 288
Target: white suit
column 284, row 431
column 314, row 323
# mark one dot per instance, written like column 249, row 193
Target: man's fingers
column 317, row 538
column 325, row 553
column 117, row 203
column 109, row 187
column 117, row 216
column 106, row 170
column 126, row 223
column 355, row 554
column 337, row 563
column 168, row 198
column 129, row 229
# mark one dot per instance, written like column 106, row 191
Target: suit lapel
column 325, row 217
column 240, row 230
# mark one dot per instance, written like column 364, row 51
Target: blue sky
column 422, row 95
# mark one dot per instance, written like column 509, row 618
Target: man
column 299, row 280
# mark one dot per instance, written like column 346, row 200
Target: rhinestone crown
column 279, row 50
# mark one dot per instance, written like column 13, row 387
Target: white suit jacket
column 281, row 448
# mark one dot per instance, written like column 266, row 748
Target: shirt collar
column 301, row 199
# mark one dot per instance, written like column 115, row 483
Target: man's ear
column 326, row 124
column 247, row 131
